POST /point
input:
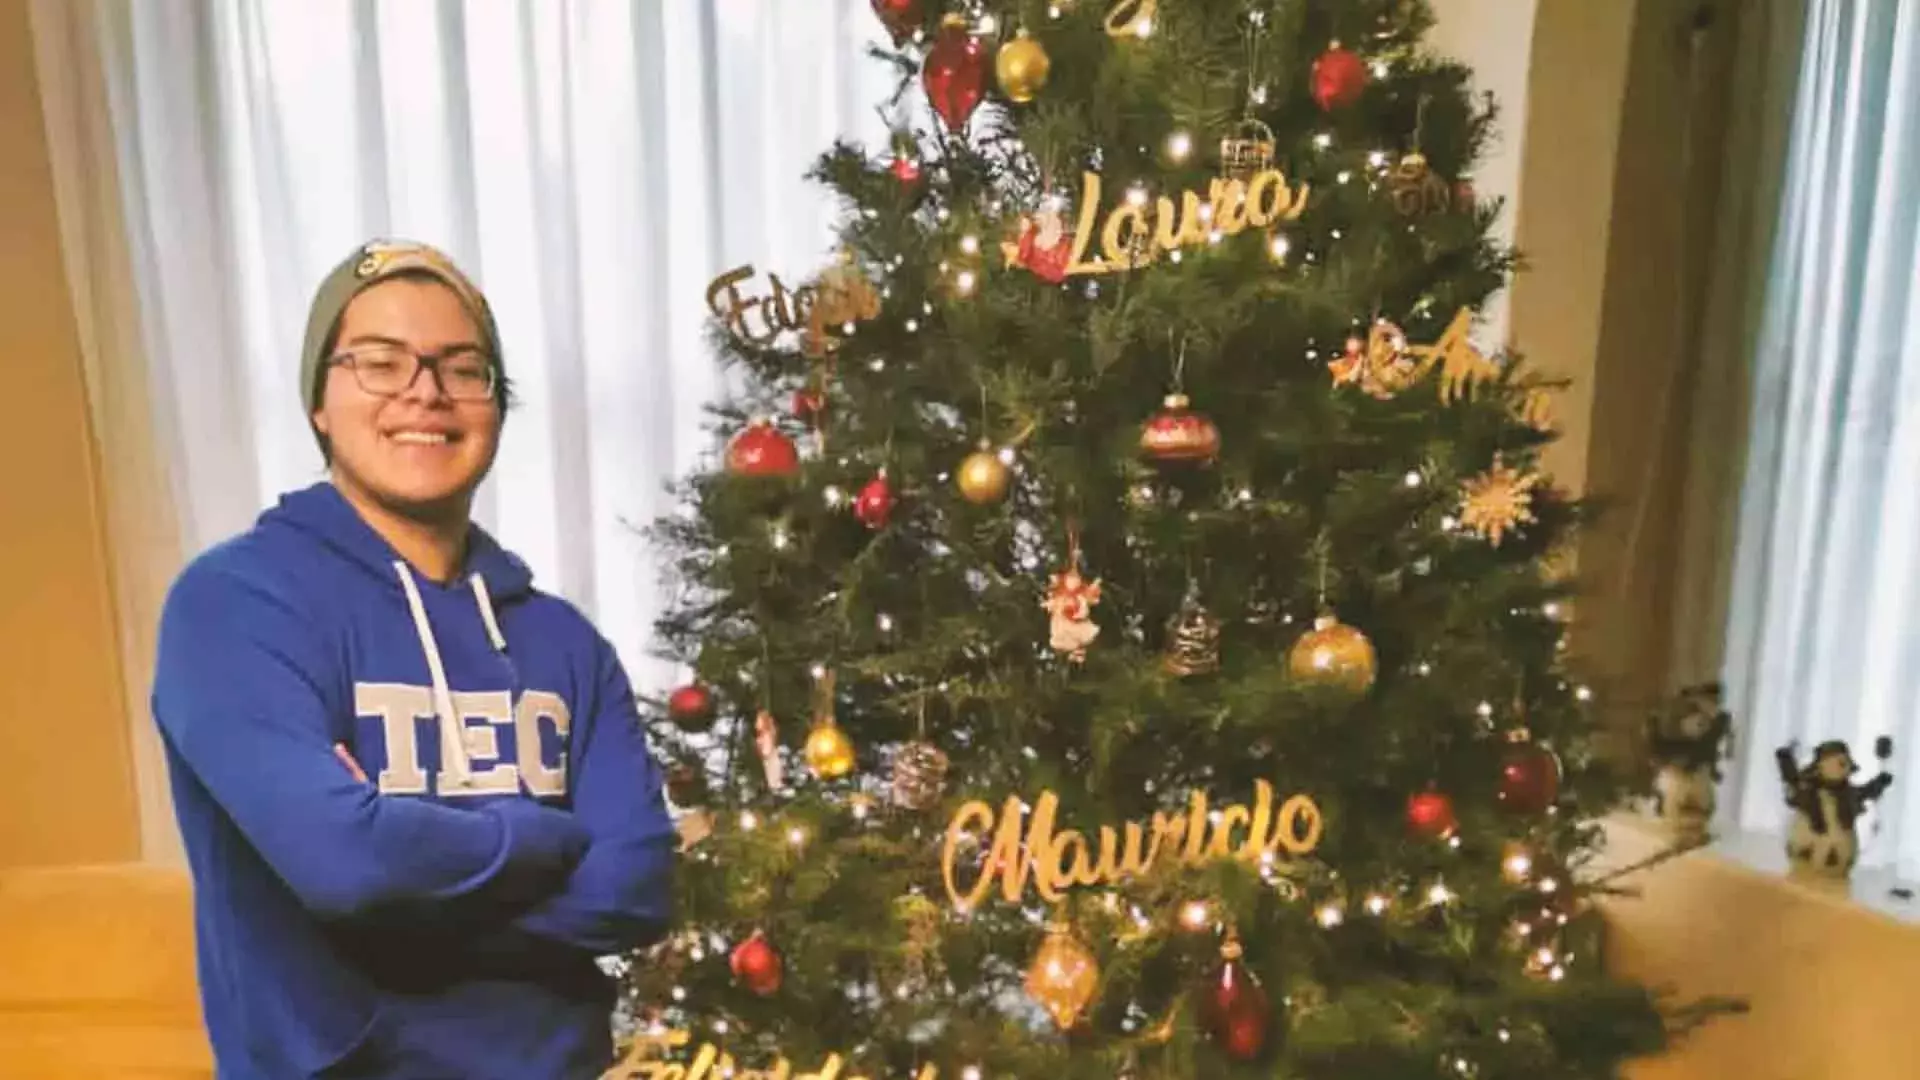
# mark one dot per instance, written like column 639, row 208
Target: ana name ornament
column 1026, row 849
column 1137, row 233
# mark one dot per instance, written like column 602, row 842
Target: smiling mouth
column 421, row 438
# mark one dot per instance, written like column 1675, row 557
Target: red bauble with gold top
column 1529, row 778
column 1339, row 78
column 1430, row 814
column 756, row 965
column 690, row 707
column 1178, row 434
column 761, row 450
column 874, row 504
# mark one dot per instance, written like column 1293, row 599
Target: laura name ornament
column 1030, row 851
column 1136, row 233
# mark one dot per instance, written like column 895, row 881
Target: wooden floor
column 96, row 975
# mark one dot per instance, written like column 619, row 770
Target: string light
column 1329, row 916
column 1439, row 894
column 1583, row 694
column 1136, row 196
column 749, row 821
column 1413, row 478
column 1196, row 915
column 1376, row 904
column 1345, row 175
column 913, row 326
column 1377, row 159
column 833, row 495
column 797, row 836
column 970, row 244
column 1278, row 248
column 779, row 538
column 1324, row 140
column 1179, row 145
column 964, row 281
column 885, row 622
column 988, row 24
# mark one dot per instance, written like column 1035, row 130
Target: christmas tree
column 1124, row 625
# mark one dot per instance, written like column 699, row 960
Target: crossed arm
column 236, row 697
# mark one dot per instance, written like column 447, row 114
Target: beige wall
column 69, row 795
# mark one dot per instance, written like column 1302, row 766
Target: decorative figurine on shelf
column 1686, row 744
column 1823, row 841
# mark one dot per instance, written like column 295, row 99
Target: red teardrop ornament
column 874, row 505
column 955, row 73
column 809, row 404
column 761, row 450
column 906, row 169
column 1233, row 1008
column 756, row 964
column 1339, row 78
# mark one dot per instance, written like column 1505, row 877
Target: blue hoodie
column 441, row 920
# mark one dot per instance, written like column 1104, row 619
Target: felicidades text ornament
column 1137, row 234
column 1025, row 850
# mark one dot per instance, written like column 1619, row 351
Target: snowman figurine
column 1823, row 841
column 1686, row 745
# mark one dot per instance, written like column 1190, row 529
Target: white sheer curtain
column 592, row 162
column 1824, row 620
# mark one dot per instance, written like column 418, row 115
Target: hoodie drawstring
column 486, row 613
column 442, row 696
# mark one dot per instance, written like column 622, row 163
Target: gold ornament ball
column 983, row 477
column 1022, row 66
column 1063, row 976
column 1334, row 654
column 829, row 752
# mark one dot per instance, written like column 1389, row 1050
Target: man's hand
column 346, row 758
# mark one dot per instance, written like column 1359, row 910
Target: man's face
column 417, row 452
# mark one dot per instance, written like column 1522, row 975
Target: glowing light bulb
column 1324, row 140
column 1376, row 904
column 1196, row 915
column 970, row 244
column 1179, row 145
column 964, row 282
column 1279, row 246
column 1439, row 894
column 1413, row 478
column 749, row 821
column 833, row 495
column 1329, row 916
column 797, row 836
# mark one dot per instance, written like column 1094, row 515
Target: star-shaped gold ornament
column 1497, row 501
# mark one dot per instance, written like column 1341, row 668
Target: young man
column 414, row 790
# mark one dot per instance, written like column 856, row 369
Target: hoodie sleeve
column 238, row 694
column 621, row 894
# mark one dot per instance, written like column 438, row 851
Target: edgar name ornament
column 1053, row 860
column 1136, row 234
column 644, row 1061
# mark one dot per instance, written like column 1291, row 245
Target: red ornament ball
column 1430, row 814
column 906, row 169
column 1178, row 434
column 1233, row 1008
column 1529, row 779
column 874, row 505
column 899, row 17
column 1339, row 78
column 809, row 404
column 756, row 965
column 691, row 707
column 761, row 450
column 955, row 73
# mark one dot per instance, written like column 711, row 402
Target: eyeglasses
column 388, row 370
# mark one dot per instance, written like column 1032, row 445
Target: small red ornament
column 809, row 404
column 1529, row 779
column 1233, row 1008
column 899, row 17
column 756, row 964
column 955, row 73
column 691, row 707
column 874, row 504
column 1430, row 814
column 1177, row 434
column 1339, row 78
column 761, row 450
column 906, row 169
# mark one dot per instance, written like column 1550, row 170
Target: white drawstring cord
column 442, row 696
column 486, row 613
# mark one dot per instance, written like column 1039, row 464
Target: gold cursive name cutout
column 712, row 1063
column 1031, row 852
column 838, row 297
column 1136, row 234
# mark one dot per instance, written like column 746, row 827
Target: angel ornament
column 1686, row 744
column 1823, row 841
column 1044, row 246
column 1070, row 600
